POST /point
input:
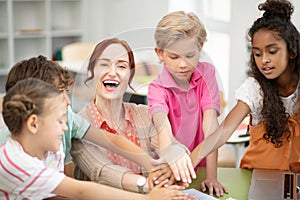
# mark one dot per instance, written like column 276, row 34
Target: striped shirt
column 23, row 176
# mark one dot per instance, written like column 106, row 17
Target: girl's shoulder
column 251, row 82
column 250, row 92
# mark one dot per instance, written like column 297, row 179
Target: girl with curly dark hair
column 271, row 92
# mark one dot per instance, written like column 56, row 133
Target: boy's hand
column 179, row 161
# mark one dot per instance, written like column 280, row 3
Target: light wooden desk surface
column 236, row 180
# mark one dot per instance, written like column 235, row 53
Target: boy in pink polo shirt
column 184, row 99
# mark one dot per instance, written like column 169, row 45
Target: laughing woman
column 111, row 69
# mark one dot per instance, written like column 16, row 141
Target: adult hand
column 156, row 177
column 213, row 186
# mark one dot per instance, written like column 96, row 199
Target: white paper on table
column 199, row 195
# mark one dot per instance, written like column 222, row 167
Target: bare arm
column 180, row 164
column 163, row 128
column 210, row 124
column 75, row 189
column 223, row 132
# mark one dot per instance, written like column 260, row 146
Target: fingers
column 175, row 171
column 166, row 173
column 212, row 187
column 154, row 176
column 175, row 193
column 183, row 169
column 191, row 168
column 220, row 190
column 203, row 187
column 211, row 190
column 161, row 184
column 172, row 192
column 150, row 182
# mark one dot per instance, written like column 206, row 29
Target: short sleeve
column 28, row 176
column 157, row 99
column 77, row 128
column 4, row 134
column 79, row 125
column 250, row 93
column 210, row 91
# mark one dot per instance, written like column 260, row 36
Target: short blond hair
column 177, row 25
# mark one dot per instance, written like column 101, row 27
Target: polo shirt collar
column 168, row 81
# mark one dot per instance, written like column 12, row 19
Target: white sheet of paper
column 199, row 195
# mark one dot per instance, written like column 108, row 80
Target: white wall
column 243, row 15
column 131, row 20
column 135, row 20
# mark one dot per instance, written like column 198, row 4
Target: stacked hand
column 179, row 161
column 167, row 193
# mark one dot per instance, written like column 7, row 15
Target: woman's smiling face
column 112, row 72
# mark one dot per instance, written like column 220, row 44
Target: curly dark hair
column 276, row 18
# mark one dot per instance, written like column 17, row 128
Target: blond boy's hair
column 177, row 25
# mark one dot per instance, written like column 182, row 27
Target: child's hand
column 179, row 161
column 213, row 185
column 156, row 177
column 168, row 193
column 183, row 169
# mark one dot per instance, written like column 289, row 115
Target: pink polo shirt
column 185, row 107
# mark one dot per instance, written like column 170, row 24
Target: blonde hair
column 177, row 25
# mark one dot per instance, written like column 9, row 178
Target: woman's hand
column 156, row 177
column 213, row 186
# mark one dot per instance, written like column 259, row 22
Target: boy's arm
column 171, row 150
column 210, row 124
column 163, row 128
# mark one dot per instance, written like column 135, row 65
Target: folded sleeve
column 91, row 163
